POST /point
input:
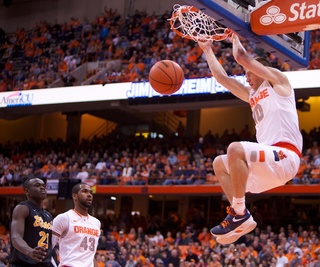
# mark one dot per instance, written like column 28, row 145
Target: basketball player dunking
column 249, row 166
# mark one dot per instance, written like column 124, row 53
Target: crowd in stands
column 32, row 59
column 143, row 245
column 133, row 240
column 135, row 160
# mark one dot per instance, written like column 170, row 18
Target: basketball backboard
column 292, row 48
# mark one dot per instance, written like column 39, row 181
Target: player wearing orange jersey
column 274, row 159
column 76, row 231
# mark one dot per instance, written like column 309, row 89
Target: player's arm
column 218, row 72
column 19, row 214
column 278, row 80
column 59, row 226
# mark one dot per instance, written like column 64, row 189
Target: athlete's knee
column 218, row 165
column 235, row 149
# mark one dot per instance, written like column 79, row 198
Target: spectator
column 155, row 176
column 282, row 260
column 172, row 158
column 200, row 175
column 159, row 263
column 112, row 177
column 174, row 258
column 158, row 239
column 204, row 236
column 131, row 262
column 102, row 244
column 198, row 151
column 317, row 260
column 296, row 261
column 307, row 260
column 182, row 158
column 127, row 174
column 101, row 260
column 112, row 262
column 191, row 257
column 83, row 175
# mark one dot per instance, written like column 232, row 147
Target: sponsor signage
column 278, row 16
column 52, row 186
column 121, row 91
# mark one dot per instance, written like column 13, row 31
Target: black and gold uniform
column 38, row 232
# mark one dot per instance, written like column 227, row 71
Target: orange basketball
column 166, row 77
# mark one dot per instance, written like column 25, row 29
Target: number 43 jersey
column 79, row 236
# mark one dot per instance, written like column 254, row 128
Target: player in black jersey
column 31, row 229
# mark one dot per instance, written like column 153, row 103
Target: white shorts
column 269, row 166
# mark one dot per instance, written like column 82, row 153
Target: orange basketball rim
column 191, row 23
column 285, row 16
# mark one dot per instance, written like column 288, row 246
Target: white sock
column 239, row 206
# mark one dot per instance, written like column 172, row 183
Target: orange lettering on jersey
column 255, row 100
column 85, row 230
column 40, row 223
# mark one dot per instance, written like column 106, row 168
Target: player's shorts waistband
column 289, row 146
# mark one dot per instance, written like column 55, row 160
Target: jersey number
column 44, row 238
column 258, row 113
column 88, row 243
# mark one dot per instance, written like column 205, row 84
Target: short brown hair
column 263, row 61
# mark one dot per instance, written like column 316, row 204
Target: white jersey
column 78, row 240
column 275, row 116
column 275, row 159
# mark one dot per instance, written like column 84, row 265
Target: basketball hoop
column 191, row 23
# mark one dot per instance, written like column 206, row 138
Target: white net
column 191, row 23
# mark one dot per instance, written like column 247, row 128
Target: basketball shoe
column 233, row 227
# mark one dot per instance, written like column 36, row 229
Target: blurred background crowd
column 33, row 59
column 136, row 160
column 157, row 245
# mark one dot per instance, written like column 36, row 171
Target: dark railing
column 104, row 129
column 167, row 119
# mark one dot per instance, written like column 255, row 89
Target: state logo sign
column 285, row 16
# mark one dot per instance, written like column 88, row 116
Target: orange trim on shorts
column 289, row 146
column 262, row 157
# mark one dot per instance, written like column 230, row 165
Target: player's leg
column 232, row 172
column 223, row 176
column 239, row 172
column 268, row 167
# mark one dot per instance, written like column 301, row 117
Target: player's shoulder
column 95, row 220
column 22, row 209
column 24, row 204
column 63, row 216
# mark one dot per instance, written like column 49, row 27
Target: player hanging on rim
column 76, row 231
column 275, row 158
